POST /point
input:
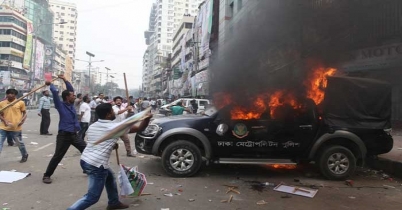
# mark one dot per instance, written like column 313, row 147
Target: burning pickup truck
column 352, row 121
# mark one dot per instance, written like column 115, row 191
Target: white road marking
column 43, row 147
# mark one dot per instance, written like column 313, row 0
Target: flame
column 282, row 166
column 317, row 83
column 242, row 113
column 262, row 103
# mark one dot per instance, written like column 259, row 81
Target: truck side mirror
column 222, row 129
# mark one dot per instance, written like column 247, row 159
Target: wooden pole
column 125, row 83
column 22, row 97
column 117, row 156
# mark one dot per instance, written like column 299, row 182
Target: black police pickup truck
column 354, row 121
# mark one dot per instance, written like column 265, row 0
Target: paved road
column 206, row 189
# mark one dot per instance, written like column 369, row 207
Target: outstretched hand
column 140, row 126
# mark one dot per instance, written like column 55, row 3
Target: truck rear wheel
column 336, row 162
column 181, row 159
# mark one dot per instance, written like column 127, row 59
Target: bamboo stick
column 117, row 156
column 22, row 97
column 125, row 83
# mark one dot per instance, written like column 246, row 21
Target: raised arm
column 56, row 99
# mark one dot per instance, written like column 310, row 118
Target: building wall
column 65, row 35
column 165, row 18
column 185, row 25
column 39, row 13
column 13, row 41
column 69, row 68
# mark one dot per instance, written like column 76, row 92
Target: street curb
column 388, row 166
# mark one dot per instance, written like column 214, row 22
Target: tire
column 183, row 168
column 336, row 162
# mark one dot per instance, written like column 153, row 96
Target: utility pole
column 89, row 67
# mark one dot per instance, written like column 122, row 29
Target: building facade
column 165, row 18
column 65, row 35
column 13, row 30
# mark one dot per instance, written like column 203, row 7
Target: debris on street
column 168, row 194
column 232, row 189
column 191, row 200
column 389, row 186
column 261, row 202
column 34, row 143
column 349, row 182
column 296, row 190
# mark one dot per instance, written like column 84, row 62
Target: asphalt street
column 371, row 189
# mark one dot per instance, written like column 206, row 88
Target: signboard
column 39, row 59
column 28, row 47
column 386, row 56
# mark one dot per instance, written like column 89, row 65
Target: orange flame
column 317, row 83
column 282, row 166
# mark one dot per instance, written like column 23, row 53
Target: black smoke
column 274, row 44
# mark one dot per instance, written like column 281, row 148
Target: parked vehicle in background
column 202, row 105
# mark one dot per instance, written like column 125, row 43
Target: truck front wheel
column 181, row 159
column 336, row 162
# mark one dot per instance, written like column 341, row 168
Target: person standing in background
column 93, row 105
column 121, row 114
column 145, row 104
column 12, row 119
column 44, row 112
column 77, row 104
column 85, row 117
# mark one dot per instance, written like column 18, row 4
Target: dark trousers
column 84, row 127
column 45, row 123
column 63, row 142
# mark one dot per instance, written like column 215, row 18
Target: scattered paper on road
column 34, row 143
column 11, row 176
column 296, row 190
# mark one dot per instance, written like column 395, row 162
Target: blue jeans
column 16, row 136
column 97, row 178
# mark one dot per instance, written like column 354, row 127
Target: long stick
column 28, row 94
column 117, row 156
column 125, row 83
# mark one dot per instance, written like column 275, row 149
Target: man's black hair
column 12, row 91
column 117, row 97
column 79, row 95
column 85, row 98
column 43, row 92
column 100, row 94
column 103, row 109
column 179, row 103
column 145, row 99
column 64, row 94
column 130, row 97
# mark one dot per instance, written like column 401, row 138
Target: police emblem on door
column 240, row 130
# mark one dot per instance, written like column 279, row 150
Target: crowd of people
column 81, row 123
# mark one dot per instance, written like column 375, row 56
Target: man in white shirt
column 95, row 160
column 121, row 114
column 77, row 104
column 93, row 105
column 85, row 117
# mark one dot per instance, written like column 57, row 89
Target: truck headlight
column 151, row 131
